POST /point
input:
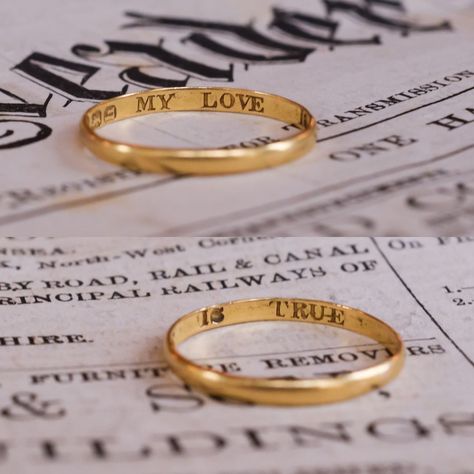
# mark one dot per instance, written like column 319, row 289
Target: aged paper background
column 391, row 82
column 83, row 385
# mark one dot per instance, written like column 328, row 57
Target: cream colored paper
column 84, row 385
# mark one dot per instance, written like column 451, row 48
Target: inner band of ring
column 199, row 160
column 281, row 391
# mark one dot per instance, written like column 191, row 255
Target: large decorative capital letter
column 47, row 70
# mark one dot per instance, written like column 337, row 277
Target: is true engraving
column 211, row 316
column 310, row 311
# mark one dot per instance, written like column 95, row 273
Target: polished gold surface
column 283, row 391
column 201, row 161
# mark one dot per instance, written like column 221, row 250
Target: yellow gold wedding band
column 200, row 161
column 281, row 391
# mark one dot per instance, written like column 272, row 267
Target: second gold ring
column 282, row 391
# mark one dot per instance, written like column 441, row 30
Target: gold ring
column 200, row 161
column 281, row 391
